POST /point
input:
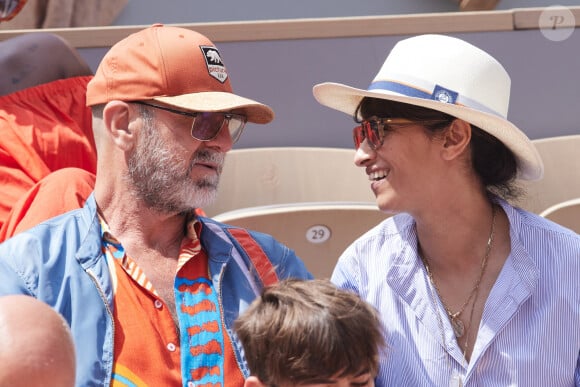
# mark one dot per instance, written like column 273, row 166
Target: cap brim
column 346, row 99
column 214, row 101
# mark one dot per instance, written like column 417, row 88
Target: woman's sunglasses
column 375, row 129
column 205, row 126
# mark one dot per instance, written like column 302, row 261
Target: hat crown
column 159, row 61
column 459, row 70
column 449, row 75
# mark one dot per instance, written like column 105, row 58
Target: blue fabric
column 400, row 88
column 209, row 344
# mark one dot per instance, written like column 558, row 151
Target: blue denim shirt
column 60, row 262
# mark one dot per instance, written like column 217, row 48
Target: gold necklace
column 468, row 329
column 455, row 379
column 456, row 323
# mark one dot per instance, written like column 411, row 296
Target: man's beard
column 163, row 180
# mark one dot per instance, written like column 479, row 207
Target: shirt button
column 158, row 304
column 171, row 347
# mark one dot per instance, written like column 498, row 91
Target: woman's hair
column 302, row 331
column 492, row 161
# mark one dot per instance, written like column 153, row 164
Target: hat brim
column 530, row 166
column 214, row 101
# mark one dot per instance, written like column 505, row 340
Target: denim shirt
column 61, row 263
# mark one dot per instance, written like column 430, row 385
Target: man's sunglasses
column 10, row 8
column 205, row 126
column 375, row 129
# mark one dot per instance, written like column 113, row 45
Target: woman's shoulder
column 540, row 236
column 396, row 226
column 389, row 237
column 529, row 222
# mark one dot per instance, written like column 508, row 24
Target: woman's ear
column 456, row 139
column 253, row 381
column 117, row 120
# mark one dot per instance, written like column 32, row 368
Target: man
column 151, row 290
column 47, row 155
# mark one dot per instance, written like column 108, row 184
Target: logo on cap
column 214, row 63
column 444, row 95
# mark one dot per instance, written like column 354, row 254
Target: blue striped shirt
column 529, row 333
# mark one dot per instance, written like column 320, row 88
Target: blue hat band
column 439, row 93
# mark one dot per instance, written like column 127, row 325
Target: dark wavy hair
column 492, row 161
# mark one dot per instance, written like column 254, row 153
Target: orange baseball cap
column 176, row 66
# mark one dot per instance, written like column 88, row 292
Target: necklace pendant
column 458, row 327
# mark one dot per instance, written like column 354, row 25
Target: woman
column 471, row 290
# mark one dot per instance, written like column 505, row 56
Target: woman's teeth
column 377, row 175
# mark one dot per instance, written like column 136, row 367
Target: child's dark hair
column 301, row 331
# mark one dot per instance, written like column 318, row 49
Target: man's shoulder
column 70, row 226
column 227, row 232
column 259, row 248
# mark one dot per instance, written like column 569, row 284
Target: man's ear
column 253, row 381
column 456, row 139
column 117, row 120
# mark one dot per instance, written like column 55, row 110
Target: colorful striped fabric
column 199, row 318
column 207, row 358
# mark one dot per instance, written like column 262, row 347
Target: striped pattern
column 530, row 329
column 266, row 271
column 191, row 246
column 113, row 249
column 124, row 377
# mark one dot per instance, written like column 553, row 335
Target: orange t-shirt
column 148, row 349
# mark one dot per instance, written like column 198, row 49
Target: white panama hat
column 449, row 75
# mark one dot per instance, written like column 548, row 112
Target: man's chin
column 203, row 197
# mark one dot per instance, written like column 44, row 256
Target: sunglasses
column 375, row 129
column 206, row 125
column 10, row 8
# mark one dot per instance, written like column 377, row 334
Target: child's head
column 302, row 333
column 37, row 345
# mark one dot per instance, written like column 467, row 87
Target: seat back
column 566, row 213
column 264, row 176
column 561, row 182
column 317, row 232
